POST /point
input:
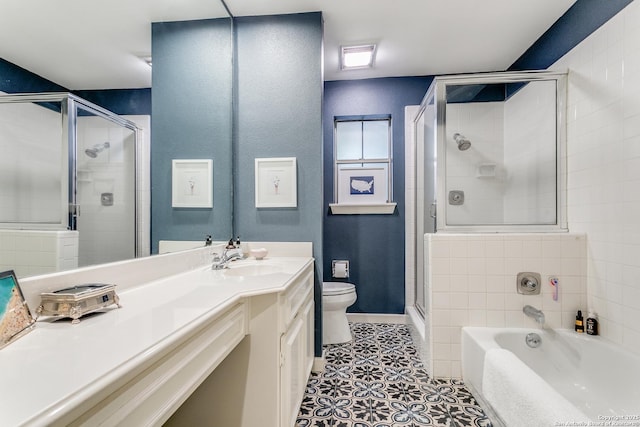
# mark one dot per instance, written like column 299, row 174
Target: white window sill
column 376, row 208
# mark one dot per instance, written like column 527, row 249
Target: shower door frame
column 425, row 210
column 439, row 85
column 73, row 103
column 69, row 104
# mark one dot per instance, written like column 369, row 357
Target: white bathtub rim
column 477, row 341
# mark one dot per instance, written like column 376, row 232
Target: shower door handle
column 74, row 213
column 74, row 209
column 432, row 210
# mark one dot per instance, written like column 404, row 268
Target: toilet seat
column 337, row 288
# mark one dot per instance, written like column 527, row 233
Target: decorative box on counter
column 76, row 301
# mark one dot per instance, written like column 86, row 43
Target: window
column 363, row 161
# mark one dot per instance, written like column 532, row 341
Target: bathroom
column 603, row 122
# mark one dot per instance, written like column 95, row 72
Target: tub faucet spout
column 534, row 313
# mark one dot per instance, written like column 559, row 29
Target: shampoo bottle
column 592, row 324
column 579, row 322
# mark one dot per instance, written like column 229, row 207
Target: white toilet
column 336, row 297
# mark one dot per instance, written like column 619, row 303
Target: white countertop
column 59, row 365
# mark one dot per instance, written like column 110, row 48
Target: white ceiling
column 90, row 44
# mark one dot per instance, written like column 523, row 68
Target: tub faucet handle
column 528, row 283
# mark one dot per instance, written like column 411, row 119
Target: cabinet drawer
column 292, row 299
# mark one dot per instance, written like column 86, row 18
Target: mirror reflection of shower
column 96, row 149
column 462, row 141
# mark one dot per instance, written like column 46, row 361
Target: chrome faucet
column 220, row 261
column 534, row 313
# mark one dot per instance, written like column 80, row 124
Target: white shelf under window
column 360, row 209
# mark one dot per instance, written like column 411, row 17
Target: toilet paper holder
column 340, row 269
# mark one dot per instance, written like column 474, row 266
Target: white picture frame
column 192, row 183
column 363, row 186
column 275, row 182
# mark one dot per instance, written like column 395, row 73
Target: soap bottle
column 579, row 322
column 592, row 324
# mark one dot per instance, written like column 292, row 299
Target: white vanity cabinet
column 262, row 382
column 296, row 346
column 193, row 347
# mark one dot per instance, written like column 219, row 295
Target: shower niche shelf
column 486, row 170
column 84, row 175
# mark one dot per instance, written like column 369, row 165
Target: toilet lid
column 337, row 288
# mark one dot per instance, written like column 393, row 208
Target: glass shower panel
column 31, row 165
column 501, row 148
column 425, row 137
column 105, row 190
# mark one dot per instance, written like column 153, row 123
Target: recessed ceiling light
column 356, row 57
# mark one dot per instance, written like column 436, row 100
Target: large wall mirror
column 30, row 249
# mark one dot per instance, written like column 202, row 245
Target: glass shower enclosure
column 490, row 157
column 67, row 165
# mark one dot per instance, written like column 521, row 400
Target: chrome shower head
column 96, row 149
column 463, row 143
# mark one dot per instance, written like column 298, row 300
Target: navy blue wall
column 582, row 19
column 120, row 101
column 15, row 79
column 374, row 244
column 192, row 119
column 279, row 114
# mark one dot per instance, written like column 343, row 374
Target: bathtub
column 570, row 377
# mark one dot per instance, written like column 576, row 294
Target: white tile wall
column 473, row 283
column 530, row 155
column 31, row 163
column 31, row 253
column 107, row 232
column 604, row 168
column 483, row 124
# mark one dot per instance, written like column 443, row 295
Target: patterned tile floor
column 378, row 380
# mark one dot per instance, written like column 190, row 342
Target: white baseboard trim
column 413, row 318
column 400, row 319
column 319, row 363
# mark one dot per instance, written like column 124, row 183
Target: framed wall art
column 363, row 186
column 192, row 183
column 276, row 182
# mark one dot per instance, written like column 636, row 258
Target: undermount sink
column 252, row 270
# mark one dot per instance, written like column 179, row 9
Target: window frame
column 388, row 160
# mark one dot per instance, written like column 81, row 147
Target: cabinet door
column 293, row 346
